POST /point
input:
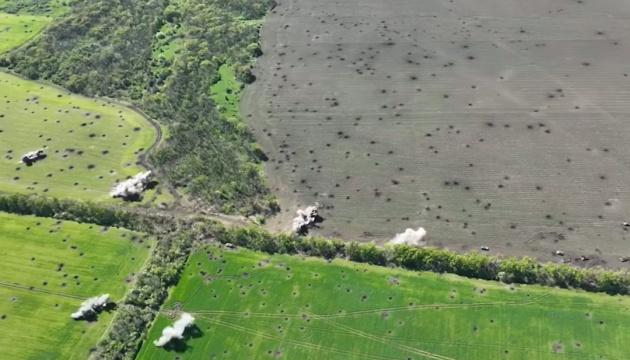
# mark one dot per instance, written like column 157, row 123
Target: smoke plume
column 410, row 237
column 132, row 186
column 176, row 331
column 305, row 219
column 89, row 306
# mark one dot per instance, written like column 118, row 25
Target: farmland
column 488, row 123
column 90, row 144
column 16, row 29
column 255, row 306
column 21, row 20
column 49, row 268
column 485, row 123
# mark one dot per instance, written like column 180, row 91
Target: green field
column 37, row 295
column 90, row 143
column 256, row 306
column 226, row 93
column 16, row 29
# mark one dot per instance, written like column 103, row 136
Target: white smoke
column 90, row 305
column 176, row 331
column 410, row 237
column 304, row 219
column 132, row 186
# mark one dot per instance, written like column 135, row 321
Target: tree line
column 523, row 270
column 518, row 270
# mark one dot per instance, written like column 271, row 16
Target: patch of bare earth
column 467, row 118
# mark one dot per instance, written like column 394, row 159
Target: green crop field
column 16, row 29
column 48, row 268
column 255, row 306
column 89, row 143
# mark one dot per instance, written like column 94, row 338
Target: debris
column 584, row 258
column 623, row 259
column 410, row 237
column 559, row 253
column 91, row 306
column 133, row 186
column 485, row 248
column 306, row 219
column 33, row 156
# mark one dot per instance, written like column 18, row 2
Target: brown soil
column 465, row 118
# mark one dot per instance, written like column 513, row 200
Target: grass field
column 90, row 143
column 16, row 29
column 48, row 268
column 256, row 306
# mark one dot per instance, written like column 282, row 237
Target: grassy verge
column 49, row 268
column 253, row 305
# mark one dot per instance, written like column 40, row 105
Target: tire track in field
column 49, row 292
column 378, row 339
column 442, row 306
column 359, row 312
column 442, row 357
column 572, row 354
column 311, row 328
column 372, row 311
column 295, row 342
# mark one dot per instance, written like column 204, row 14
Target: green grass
column 167, row 41
column 36, row 299
column 17, row 29
column 226, row 93
column 256, row 306
column 90, row 143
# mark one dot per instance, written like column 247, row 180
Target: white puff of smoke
column 304, row 218
column 132, row 186
column 176, row 331
column 410, row 237
column 89, row 305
